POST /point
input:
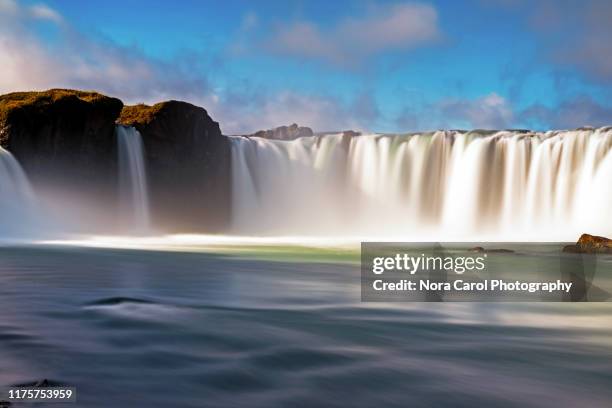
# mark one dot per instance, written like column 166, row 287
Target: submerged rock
column 590, row 244
column 290, row 132
column 188, row 164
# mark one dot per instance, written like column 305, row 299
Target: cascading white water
column 134, row 195
column 436, row 186
column 17, row 201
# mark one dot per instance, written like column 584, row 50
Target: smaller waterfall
column 17, row 201
column 134, row 197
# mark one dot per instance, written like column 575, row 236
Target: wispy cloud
column 496, row 112
column 42, row 12
column 569, row 33
column 400, row 27
column 78, row 61
column 578, row 35
column 490, row 111
column 74, row 59
column 244, row 112
column 579, row 111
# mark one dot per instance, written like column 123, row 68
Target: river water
column 131, row 328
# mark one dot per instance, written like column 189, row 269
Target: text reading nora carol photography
column 480, row 272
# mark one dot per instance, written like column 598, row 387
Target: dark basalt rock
column 590, row 244
column 188, row 165
column 347, row 136
column 63, row 138
column 482, row 250
column 290, row 132
column 41, row 384
column 350, row 133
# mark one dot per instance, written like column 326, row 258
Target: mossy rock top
column 142, row 115
column 37, row 102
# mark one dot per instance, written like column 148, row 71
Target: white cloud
column 42, row 12
column 74, row 60
column 574, row 34
column 24, row 62
column 247, row 112
column 12, row 9
column 581, row 110
column 27, row 62
column 8, row 7
column 396, row 27
column 488, row 112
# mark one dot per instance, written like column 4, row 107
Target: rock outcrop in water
column 62, row 137
column 590, row 244
column 188, row 165
column 290, row 132
column 481, row 250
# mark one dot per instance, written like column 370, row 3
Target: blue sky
column 385, row 66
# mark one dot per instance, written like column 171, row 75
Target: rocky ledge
column 590, row 244
column 66, row 142
column 188, row 164
column 62, row 136
column 290, row 132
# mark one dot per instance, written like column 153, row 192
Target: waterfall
column 432, row 186
column 134, row 197
column 17, row 201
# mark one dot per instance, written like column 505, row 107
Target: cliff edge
column 188, row 164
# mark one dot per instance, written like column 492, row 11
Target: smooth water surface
column 169, row 329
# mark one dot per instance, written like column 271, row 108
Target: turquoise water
column 132, row 328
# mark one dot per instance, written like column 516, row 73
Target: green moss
column 140, row 114
column 18, row 100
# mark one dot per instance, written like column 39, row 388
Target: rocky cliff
column 66, row 142
column 290, row 132
column 188, row 165
column 590, row 244
column 64, row 139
